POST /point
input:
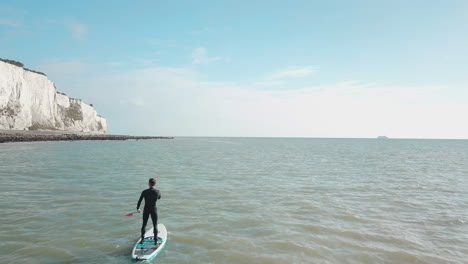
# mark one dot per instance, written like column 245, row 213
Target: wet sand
column 42, row 135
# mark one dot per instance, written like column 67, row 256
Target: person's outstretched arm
column 139, row 201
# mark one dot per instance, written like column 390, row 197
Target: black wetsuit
column 151, row 196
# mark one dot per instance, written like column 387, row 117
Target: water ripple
column 238, row 200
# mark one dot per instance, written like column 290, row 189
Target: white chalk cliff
column 30, row 101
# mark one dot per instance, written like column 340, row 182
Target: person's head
column 151, row 182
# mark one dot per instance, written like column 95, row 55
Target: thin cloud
column 11, row 17
column 9, row 22
column 58, row 68
column 179, row 101
column 78, row 30
column 187, row 104
column 296, row 72
column 133, row 103
column 197, row 32
column 280, row 77
column 200, row 56
column 153, row 41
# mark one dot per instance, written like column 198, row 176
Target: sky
column 353, row 69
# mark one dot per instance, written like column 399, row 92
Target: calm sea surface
column 238, row 200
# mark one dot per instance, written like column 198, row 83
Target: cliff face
column 29, row 101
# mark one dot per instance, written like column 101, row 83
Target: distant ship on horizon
column 382, row 137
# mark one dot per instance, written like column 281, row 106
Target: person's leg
column 143, row 226
column 154, row 218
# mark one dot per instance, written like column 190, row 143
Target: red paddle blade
column 130, row 214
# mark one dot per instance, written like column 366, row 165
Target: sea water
column 238, row 200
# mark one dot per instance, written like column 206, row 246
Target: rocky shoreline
column 10, row 136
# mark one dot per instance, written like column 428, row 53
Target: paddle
column 131, row 214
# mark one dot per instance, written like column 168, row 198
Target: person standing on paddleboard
column 151, row 195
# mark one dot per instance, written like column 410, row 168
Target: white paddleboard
column 148, row 250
